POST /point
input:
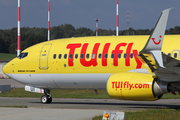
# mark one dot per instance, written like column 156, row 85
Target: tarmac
column 71, row 109
column 47, row 114
column 11, row 82
column 35, row 112
column 74, row 109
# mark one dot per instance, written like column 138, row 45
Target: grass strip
column 7, row 57
column 97, row 117
column 171, row 96
column 23, row 106
column 150, row 114
column 58, row 93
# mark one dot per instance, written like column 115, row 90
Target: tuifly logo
column 93, row 62
column 157, row 43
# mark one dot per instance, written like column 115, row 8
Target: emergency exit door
column 43, row 59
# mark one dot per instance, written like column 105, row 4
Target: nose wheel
column 46, row 99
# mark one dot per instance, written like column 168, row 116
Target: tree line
column 31, row 36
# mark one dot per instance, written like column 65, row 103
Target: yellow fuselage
column 85, row 62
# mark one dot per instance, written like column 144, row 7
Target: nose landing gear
column 47, row 98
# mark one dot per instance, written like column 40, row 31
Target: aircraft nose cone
column 6, row 69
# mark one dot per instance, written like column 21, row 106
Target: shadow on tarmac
column 124, row 105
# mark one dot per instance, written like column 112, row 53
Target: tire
column 44, row 99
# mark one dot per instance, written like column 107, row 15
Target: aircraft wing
column 170, row 71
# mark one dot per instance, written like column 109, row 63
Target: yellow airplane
column 128, row 67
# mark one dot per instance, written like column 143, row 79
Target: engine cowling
column 135, row 86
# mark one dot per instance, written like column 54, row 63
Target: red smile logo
column 157, row 43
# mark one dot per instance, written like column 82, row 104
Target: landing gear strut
column 47, row 98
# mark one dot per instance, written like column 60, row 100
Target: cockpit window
column 23, row 55
column 20, row 56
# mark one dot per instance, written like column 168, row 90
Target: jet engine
column 136, row 86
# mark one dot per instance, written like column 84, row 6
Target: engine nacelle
column 135, row 86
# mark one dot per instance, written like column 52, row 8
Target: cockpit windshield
column 23, row 55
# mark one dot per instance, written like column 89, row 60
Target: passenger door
column 43, row 58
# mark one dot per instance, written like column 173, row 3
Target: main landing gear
column 47, row 98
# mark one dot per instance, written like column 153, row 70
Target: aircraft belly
column 63, row 81
column 81, row 81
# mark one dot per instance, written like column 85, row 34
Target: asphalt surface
column 76, row 109
column 47, row 114
column 11, row 82
column 98, row 104
column 68, row 109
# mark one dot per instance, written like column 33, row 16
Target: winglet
column 156, row 39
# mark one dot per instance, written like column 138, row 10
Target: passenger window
column 175, row 55
column 131, row 55
column 100, row 55
column 65, row 56
column 60, row 56
column 70, row 56
column 119, row 55
column 112, row 55
column 82, row 56
column 87, row 55
column 93, row 56
column 76, row 56
column 169, row 54
column 106, row 56
column 54, row 56
column 125, row 55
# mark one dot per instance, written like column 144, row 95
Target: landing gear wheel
column 46, row 99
